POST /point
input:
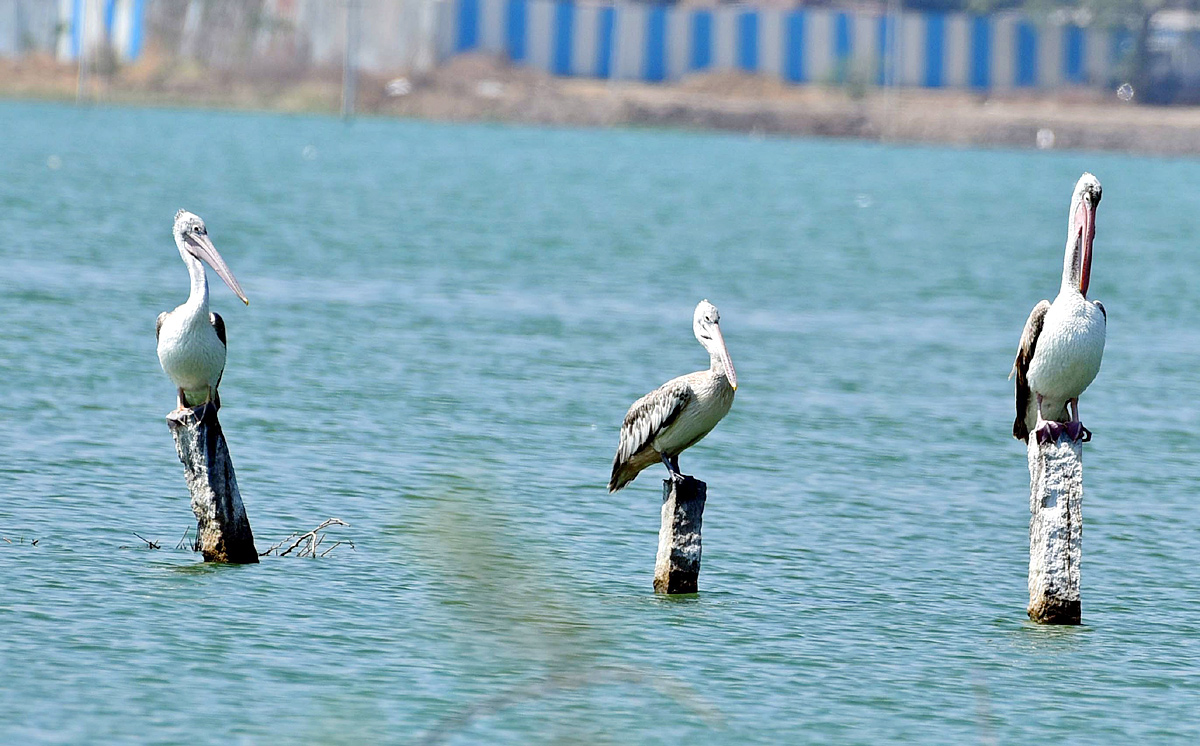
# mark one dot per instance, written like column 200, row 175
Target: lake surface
column 446, row 326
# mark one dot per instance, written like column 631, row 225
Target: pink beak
column 1085, row 219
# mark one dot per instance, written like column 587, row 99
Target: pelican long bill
column 202, row 248
column 723, row 353
column 1086, row 217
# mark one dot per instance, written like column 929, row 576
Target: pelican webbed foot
column 200, row 411
column 672, row 464
column 210, row 406
column 205, row 412
column 1078, row 432
column 1048, row 431
column 1075, row 428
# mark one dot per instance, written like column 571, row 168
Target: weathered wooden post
column 222, row 528
column 1055, row 529
column 677, row 568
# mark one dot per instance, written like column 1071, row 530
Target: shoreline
column 480, row 88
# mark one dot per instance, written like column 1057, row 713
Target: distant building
column 859, row 43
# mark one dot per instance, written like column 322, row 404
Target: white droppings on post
column 1055, row 530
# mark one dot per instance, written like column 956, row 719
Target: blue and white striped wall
column 86, row 23
column 656, row 43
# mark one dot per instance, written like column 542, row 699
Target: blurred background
column 1041, row 73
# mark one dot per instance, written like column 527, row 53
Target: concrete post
column 222, row 530
column 1055, row 529
column 678, row 566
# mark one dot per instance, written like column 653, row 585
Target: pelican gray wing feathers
column 648, row 417
column 1025, row 350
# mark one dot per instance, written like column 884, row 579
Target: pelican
column 191, row 341
column 1063, row 341
column 676, row 415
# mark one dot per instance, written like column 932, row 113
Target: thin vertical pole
column 81, row 53
column 614, row 71
column 891, row 58
column 350, row 58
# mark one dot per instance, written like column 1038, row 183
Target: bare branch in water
column 338, row 544
column 149, row 544
column 308, row 542
column 183, row 541
column 20, row 540
column 276, row 546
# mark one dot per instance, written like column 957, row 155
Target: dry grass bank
column 485, row 88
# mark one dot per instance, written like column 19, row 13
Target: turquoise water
column 447, row 324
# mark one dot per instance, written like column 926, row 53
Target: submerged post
column 677, row 568
column 1055, row 529
column 222, row 528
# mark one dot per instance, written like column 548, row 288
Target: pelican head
column 1081, row 231
column 192, row 239
column 706, row 324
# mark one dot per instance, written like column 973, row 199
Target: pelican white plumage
column 191, row 341
column 676, row 415
column 1063, row 342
